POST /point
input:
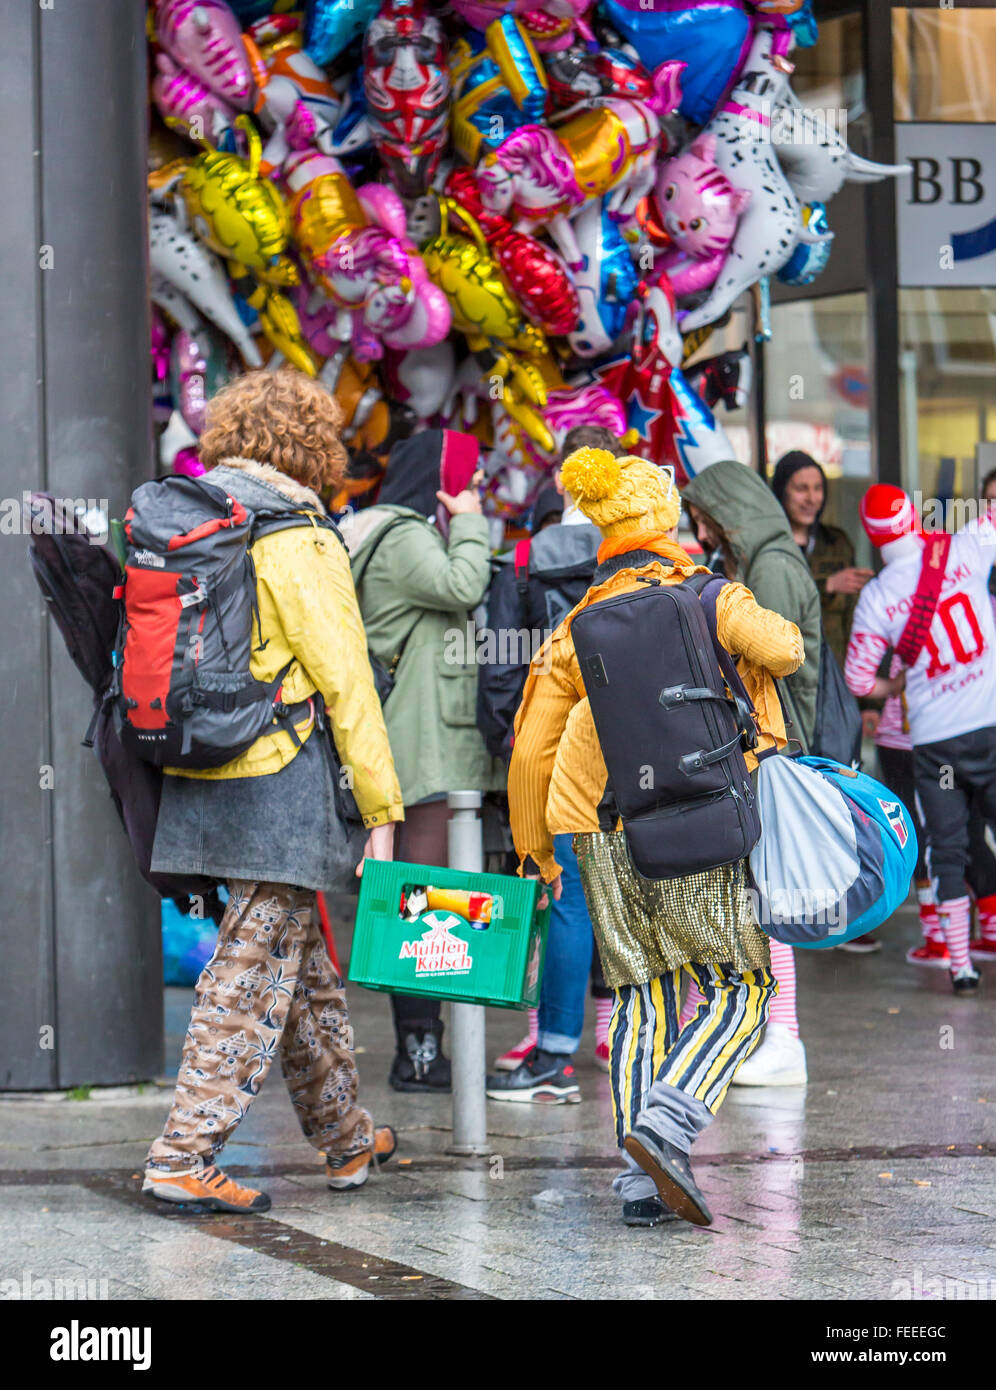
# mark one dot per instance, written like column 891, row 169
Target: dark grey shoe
column 544, row 1077
column 671, row 1172
column 648, row 1211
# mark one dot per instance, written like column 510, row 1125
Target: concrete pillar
column 80, row 931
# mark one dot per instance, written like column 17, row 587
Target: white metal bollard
column 467, row 1045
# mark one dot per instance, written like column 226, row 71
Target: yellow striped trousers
column 647, row 1047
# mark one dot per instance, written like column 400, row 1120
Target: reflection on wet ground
column 875, row 1181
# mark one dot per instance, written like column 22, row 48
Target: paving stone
column 793, row 1175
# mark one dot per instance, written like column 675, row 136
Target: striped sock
column 533, row 1024
column 693, row 998
column 603, row 1016
column 956, row 919
column 930, row 923
column 782, row 1009
column 986, row 910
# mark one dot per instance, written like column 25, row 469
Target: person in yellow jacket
column 275, row 823
column 666, row 1084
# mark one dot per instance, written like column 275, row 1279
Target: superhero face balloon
column 407, row 85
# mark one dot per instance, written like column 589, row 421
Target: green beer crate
column 403, row 944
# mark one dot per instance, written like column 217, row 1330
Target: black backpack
column 673, row 720
column 78, row 577
column 547, row 600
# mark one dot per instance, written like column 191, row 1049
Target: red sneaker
column 983, row 950
column 515, row 1056
column 602, row 1056
column 930, row 953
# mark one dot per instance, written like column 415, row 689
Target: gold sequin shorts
column 645, row 927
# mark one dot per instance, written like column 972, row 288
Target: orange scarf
column 647, row 540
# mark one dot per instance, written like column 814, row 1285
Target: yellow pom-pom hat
column 621, row 495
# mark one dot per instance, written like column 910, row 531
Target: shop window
column 942, row 61
column 817, row 398
column 948, row 389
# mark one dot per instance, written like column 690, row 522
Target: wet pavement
column 878, row 1180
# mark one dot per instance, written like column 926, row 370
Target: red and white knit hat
column 887, row 513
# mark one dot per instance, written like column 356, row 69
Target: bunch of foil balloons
column 506, row 216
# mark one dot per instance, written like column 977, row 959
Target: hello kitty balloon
column 699, row 209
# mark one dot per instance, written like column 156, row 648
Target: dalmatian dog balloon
column 770, row 226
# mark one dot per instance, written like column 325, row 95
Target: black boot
column 671, row 1172
column 419, row 1064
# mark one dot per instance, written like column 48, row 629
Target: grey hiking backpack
column 182, row 690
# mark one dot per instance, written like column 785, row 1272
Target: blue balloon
column 332, row 25
column 711, row 36
column 606, row 283
column 188, row 945
column 487, row 104
column 809, row 259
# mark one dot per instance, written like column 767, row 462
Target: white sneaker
column 779, row 1061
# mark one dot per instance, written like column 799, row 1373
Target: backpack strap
column 227, row 701
column 266, row 523
column 924, row 604
column 360, row 571
column 395, row 661
column 708, row 587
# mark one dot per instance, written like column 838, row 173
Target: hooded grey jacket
column 772, row 566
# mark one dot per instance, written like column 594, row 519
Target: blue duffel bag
column 836, row 854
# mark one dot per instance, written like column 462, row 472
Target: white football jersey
column 952, row 687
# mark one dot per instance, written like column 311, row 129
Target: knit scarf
column 655, row 541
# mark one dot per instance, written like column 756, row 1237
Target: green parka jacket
column 416, row 592
column 772, row 566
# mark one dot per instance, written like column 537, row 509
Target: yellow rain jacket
column 309, row 616
column 557, row 775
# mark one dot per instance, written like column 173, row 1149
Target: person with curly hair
column 273, row 823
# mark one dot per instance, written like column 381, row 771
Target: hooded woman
column 734, row 510
column 421, row 561
column 666, row 1083
column 800, row 484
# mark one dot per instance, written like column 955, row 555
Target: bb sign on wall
column 946, row 208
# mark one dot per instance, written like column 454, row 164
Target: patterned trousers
column 672, row 1080
column 269, row 986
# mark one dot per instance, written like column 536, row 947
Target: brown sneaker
column 351, row 1170
column 208, row 1188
